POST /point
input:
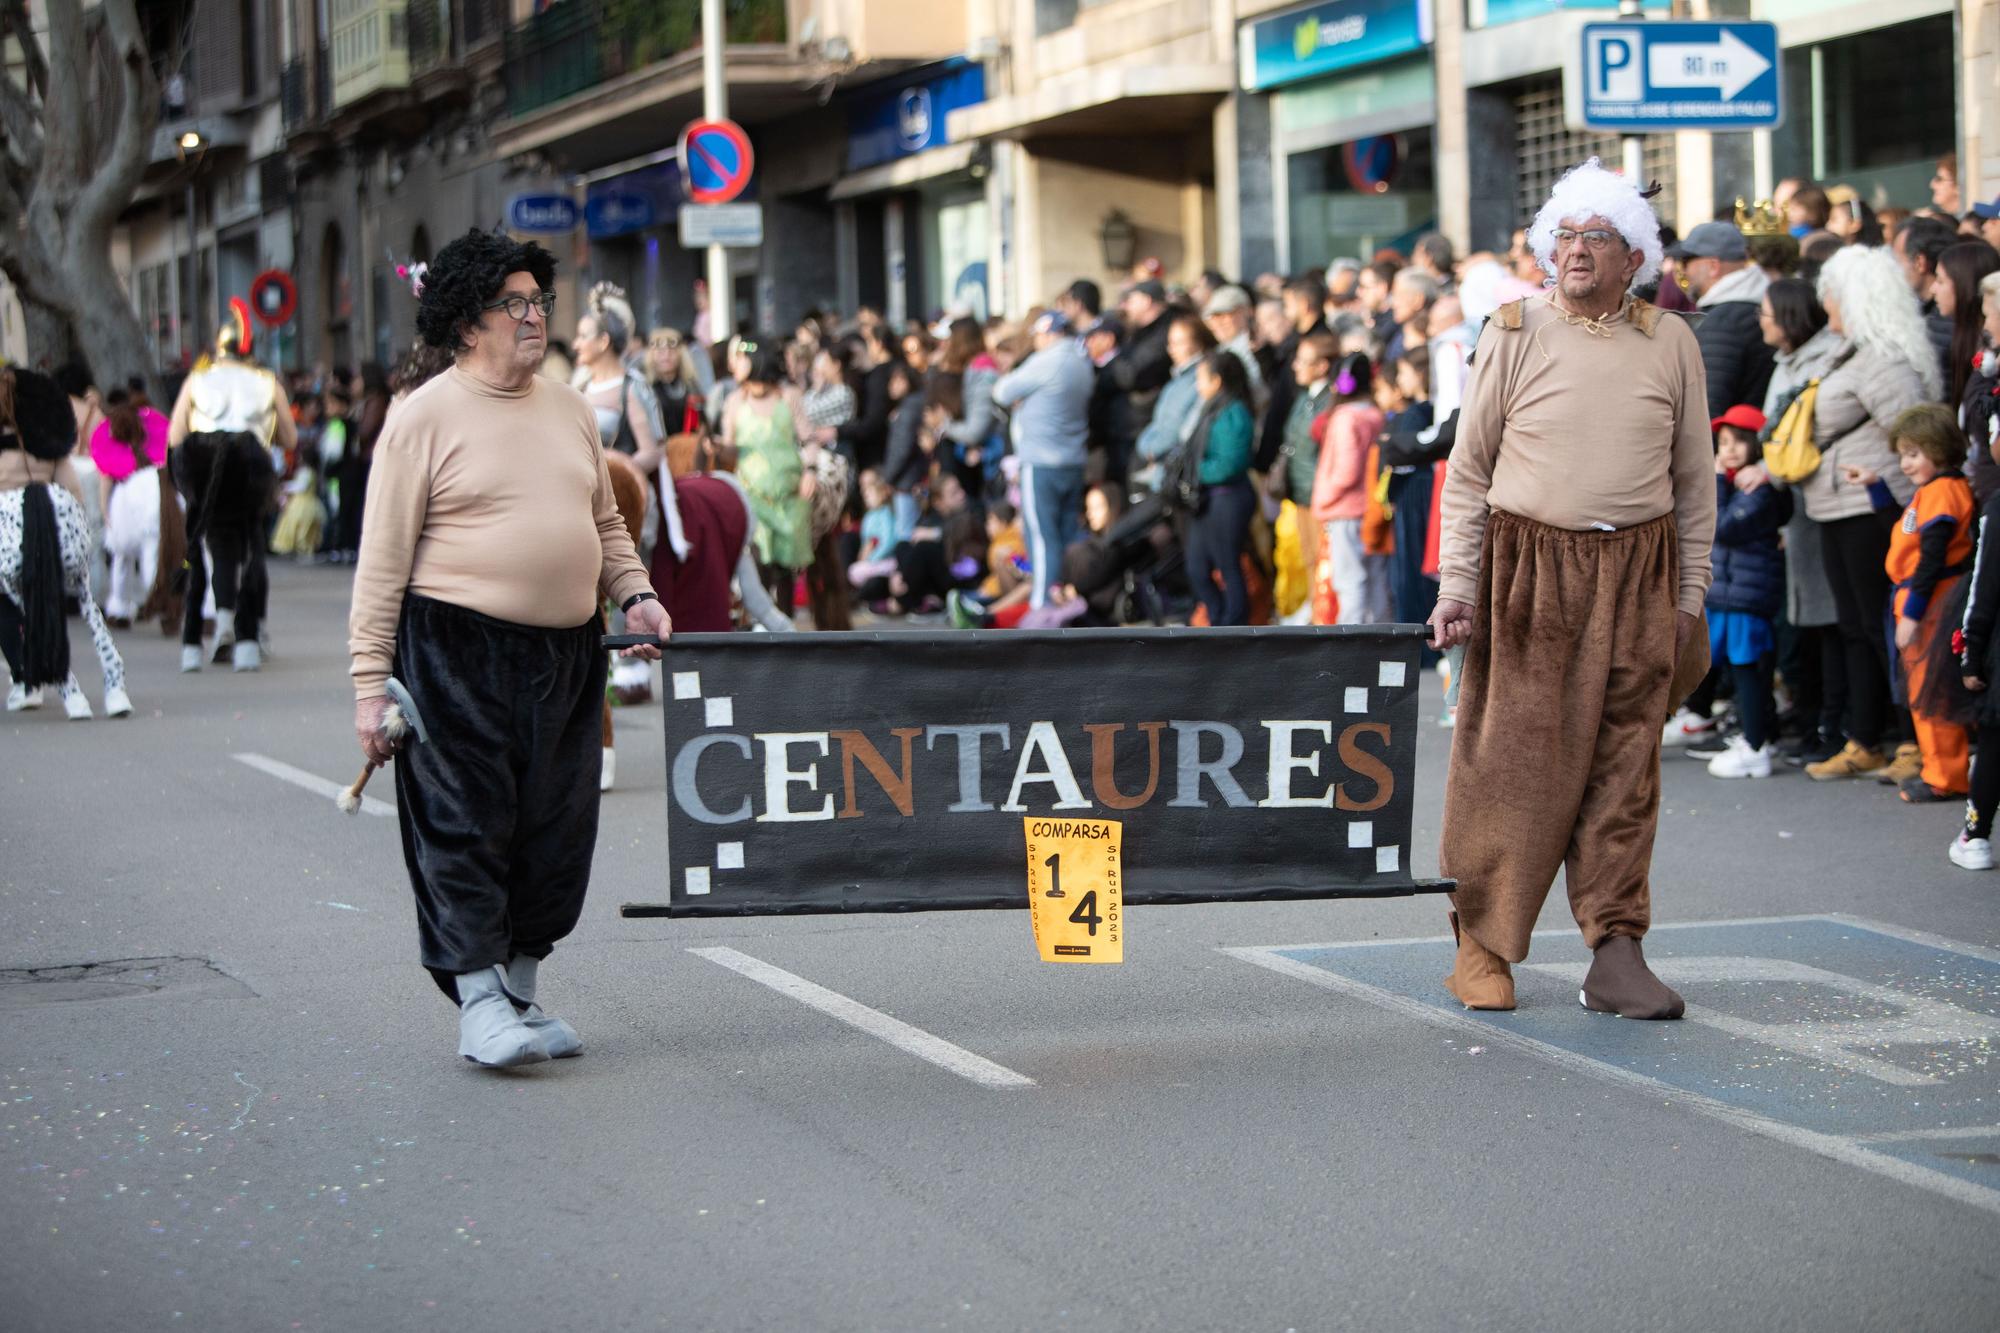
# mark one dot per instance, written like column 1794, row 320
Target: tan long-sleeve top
column 1576, row 430
column 495, row 500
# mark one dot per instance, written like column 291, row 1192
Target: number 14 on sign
column 1076, row 895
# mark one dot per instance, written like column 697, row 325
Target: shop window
column 1357, row 198
column 1880, row 107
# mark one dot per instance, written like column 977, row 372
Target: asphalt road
column 267, row 1126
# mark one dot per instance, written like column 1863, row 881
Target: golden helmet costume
column 229, row 412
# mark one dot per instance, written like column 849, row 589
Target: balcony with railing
column 480, row 22
column 370, row 49
column 431, row 44
column 305, row 88
column 574, row 46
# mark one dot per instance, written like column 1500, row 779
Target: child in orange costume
column 1930, row 550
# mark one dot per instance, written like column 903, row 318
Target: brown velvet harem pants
column 1556, row 760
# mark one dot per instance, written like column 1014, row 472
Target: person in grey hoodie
column 1049, row 396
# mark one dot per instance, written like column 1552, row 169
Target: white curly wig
column 1589, row 191
column 1879, row 311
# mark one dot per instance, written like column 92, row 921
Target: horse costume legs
column 73, row 527
column 74, row 546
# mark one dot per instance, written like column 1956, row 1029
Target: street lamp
column 1120, row 240
column 192, row 146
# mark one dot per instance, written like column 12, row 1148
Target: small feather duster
column 395, row 730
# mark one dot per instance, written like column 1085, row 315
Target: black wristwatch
column 637, row 598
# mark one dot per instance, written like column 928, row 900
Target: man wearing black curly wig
column 490, row 538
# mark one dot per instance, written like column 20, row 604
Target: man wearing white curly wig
column 491, row 535
column 1577, row 516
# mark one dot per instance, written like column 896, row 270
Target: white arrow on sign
column 1727, row 63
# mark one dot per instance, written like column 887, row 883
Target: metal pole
column 715, row 106
column 194, row 275
column 1634, row 144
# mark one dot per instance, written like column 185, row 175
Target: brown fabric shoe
column 1480, row 978
column 1619, row 982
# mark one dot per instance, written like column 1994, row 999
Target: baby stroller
column 1134, row 572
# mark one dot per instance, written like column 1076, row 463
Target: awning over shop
column 1124, row 99
column 905, row 172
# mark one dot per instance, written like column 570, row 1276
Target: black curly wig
column 467, row 275
column 36, row 412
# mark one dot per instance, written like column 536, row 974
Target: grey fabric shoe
column 190, row 657
column 557, row 1037
column 489, row 1031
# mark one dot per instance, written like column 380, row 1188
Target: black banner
column 893, row 772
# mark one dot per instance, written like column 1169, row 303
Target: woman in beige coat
column 1884, row 365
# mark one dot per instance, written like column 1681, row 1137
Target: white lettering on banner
column 779, row 777
column 1910, row 1020
column 970, row 738
column 1056, row 771
column 1284, row 763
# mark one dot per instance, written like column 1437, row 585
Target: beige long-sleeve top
column 495, row 500
column 1569, row 428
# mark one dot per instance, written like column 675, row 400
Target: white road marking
column 1941, row 1133
column 312, row 782
column 872, row 1021
column 1837, row 918
column 1850, row 1150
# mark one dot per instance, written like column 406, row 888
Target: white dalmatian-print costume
column 73, row 537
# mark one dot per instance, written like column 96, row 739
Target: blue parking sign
column 1639, row 77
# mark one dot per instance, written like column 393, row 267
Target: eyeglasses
column 667, row 344
column 517, row 305
column 1597, row 238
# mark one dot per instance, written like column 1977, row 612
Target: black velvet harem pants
column 499, row 808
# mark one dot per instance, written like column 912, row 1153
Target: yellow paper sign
column 1076, row 893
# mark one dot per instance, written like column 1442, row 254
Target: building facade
column 921, row 158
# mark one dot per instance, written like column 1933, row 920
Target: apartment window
column 1053, row 15
column 1546, row 148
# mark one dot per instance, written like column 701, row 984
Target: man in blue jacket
column 1049, row 396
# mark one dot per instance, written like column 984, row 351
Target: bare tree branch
column 72, row 160
column 22, row 258
column 118, row 174
column 21, row 123
column 65, row 135
column 15, row 23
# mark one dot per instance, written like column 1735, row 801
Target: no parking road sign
column 1641, row 77
column 715, row 161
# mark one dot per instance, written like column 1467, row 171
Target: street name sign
column 542, row 214
column 736, row 226
column 1639, row 78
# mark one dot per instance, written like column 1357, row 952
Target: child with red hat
column 1748, row 591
